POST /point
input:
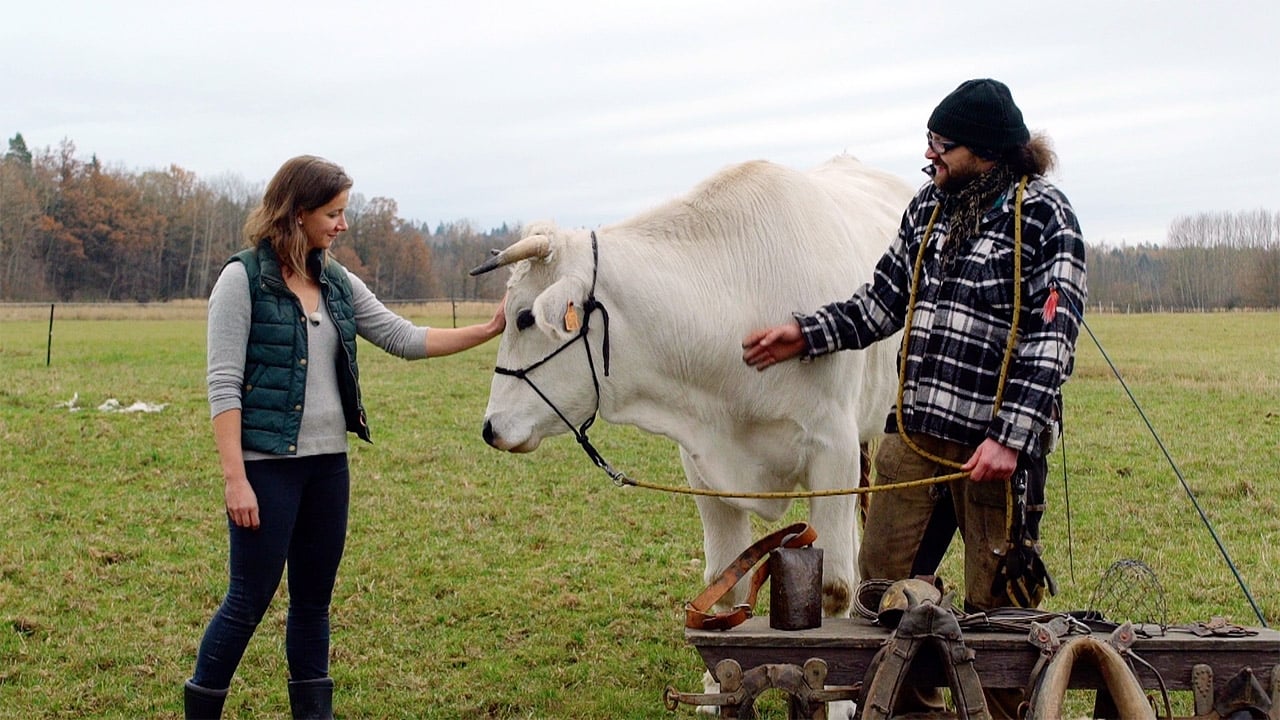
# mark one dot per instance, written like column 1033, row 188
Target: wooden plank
column 1003, row 660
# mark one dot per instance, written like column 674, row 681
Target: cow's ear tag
column 571, row 321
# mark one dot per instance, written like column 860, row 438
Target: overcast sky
column 589, row 112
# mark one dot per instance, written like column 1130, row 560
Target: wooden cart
column 1229, row 675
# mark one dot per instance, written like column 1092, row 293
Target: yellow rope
column 1008, row 351
column 786, row 495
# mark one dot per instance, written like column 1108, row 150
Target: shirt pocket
column 988, row 279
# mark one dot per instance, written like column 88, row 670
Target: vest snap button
column 303, row 361
column 293, row 448
column 297, row 407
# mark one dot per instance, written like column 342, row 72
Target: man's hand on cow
column 763, row 348
column 991, row 461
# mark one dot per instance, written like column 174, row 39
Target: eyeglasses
column 942, row 147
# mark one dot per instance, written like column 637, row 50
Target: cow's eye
column 524, row 320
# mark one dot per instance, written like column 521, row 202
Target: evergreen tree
column 18, row 151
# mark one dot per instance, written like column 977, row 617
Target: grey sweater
column 323, row 426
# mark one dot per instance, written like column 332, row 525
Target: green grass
column 483, row 585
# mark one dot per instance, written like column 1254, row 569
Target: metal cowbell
column 795, row 588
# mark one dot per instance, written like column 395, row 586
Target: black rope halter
column 580, row 432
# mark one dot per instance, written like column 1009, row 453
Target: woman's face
column 323, row 224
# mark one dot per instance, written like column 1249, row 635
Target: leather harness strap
column 1050, row 681
column 697, row 612
column 924, row 623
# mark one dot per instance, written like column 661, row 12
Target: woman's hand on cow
column 762, row 348
column 498, row 322
column 447, row 341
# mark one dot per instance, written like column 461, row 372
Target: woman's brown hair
column 302, row 184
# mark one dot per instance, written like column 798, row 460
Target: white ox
column 682, row 284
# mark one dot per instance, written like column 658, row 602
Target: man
column 949, row 278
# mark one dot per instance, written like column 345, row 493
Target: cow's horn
column 532, row 246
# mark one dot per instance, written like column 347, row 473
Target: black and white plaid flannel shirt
column 962, row 317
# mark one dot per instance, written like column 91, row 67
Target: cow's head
column 543, row 372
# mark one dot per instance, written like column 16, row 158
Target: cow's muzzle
column 493, row 439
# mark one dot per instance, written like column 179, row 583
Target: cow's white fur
column 683, row 284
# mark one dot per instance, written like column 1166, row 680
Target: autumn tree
column 20, row 214
column 457, row 247
column 393, row 256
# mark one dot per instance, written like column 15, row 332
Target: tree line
column 1209, row 261
column 77, row 230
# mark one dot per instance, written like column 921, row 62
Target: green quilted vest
column 275, row 372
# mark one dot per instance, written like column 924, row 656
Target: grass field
column 483, row 585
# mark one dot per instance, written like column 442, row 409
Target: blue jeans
column 302, row 505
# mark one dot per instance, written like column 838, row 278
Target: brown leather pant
column 896, row 522
column 896, row 519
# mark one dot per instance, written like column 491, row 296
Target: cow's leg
column 726, row 532
column 836, row 520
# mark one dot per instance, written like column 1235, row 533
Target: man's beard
column 958, row 179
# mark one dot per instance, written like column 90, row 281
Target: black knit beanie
column 980, row 114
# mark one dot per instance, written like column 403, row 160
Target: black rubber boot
column 311, row 699
column 202, row 703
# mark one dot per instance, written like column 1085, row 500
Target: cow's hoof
column 837, row 598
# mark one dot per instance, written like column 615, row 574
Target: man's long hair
column 1036, row 158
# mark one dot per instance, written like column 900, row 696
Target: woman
column 283, row 392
